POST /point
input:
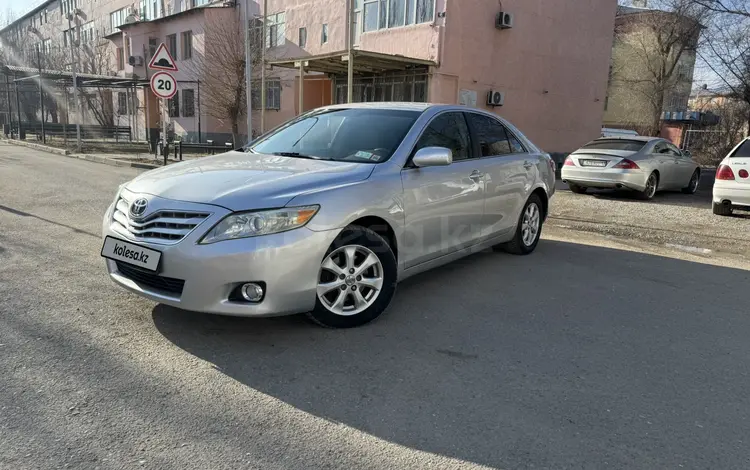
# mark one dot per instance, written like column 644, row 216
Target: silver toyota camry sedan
column 642, row 164
column 326, row 213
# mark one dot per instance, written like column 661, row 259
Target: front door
column 444, row 205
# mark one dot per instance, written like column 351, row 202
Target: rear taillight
column 743, row 173
column 724, row 173
column 626, row 164
column 569, row 162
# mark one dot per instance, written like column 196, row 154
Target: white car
column 732, row 186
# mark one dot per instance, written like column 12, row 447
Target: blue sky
column 19, row 7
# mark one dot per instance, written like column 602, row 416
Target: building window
column 117, row 18
column 67, row 6
column 188, row 103
column 276, row 30
column 324, row 34
column 371, row 16
column 187, row 45
column 273, row 95
column 153, row 43
column 87, row 32
column 174, row 105
column 302, row 37
column 379, row 14
column 143, row 10
column 120, row 58
column 122, row 103
column 47, row 46
column 172, row 45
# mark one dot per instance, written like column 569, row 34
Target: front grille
column 163, row 226
column 149, row 279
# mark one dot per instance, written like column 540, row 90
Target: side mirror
column 432, row 156
column 687, row 153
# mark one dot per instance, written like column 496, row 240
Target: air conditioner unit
column 504, row 20
column 495, row 98
column 135, row 60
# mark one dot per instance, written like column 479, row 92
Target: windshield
column 356, row 134
column 616, row 144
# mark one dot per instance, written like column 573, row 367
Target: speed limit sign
column 163, row 85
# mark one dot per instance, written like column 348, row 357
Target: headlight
column 253, row 224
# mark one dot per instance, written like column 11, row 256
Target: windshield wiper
column 297, row 155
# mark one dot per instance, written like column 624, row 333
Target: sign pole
column 165, row 117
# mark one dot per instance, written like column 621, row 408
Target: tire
column 576, row 189
column 692, row 186
column 520, row 245
column 722, row 209
column 652, row 185
column 345, row 257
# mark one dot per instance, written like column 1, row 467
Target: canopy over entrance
column 365, row 62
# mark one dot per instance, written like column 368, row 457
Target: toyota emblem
column 138, row 207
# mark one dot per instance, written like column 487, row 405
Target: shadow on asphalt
column 575, row 356
column 26, row 214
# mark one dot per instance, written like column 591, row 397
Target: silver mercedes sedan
column 326, row 213
column 642, row 164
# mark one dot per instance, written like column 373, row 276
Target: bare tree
column 220, row 67
column 653, row 56
column 732, row 7
column 709, row 146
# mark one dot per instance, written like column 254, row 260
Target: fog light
column 251, row 292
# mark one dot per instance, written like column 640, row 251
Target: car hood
column 244, row 181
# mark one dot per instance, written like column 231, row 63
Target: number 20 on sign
column 163, row 85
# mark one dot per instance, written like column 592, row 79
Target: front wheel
column 529, row 228
column 692, row 186
column 356, row 280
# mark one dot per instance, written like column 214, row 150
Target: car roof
column 641, row 138
column 406, row 106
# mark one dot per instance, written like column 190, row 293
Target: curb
column 113, row 162
column 87, row 157
column 42, row 147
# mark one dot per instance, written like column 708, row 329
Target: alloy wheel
column 350, row 280
column 530, row 224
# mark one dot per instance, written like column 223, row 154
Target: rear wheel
column 652, row 183
column 692, row 186
column 529, row 229
column 722, row 209
column 576, row 189
column 356, row 281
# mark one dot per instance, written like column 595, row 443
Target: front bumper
column 288, row 263
column 605, row 178
column 736, row 193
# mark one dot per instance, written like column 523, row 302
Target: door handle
column 527, row 165
column 476, row 175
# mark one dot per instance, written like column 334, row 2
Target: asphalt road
column 579, row 356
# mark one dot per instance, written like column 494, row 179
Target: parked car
column 642, row 164
column 326, row 213
column 732, row 185
column 609, row 132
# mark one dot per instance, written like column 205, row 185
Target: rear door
column 665, row 161
column 509, row 172
column 685, row 166
column 739, row 162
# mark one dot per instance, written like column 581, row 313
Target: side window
column 515, row 145
column 491, row 135
column 674, row 150
column 448, row 130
